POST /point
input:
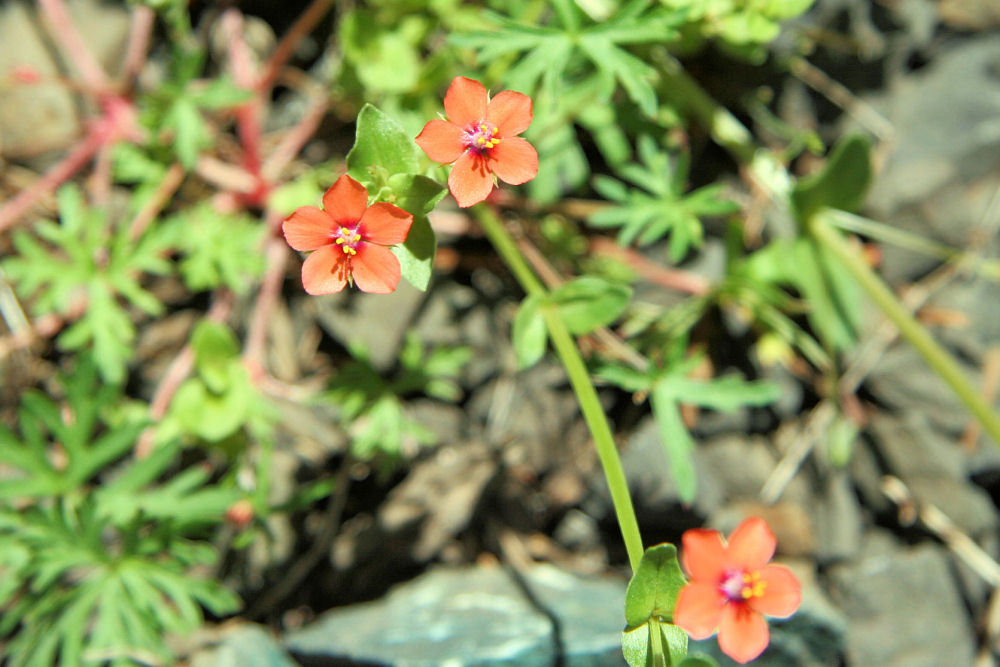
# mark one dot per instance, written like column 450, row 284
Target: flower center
column 742, row 585
column 348, row 238
column 481, row 137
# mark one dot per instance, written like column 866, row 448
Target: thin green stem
column 579, row 379
column 935, row 356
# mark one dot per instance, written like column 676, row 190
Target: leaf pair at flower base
column 732, row 587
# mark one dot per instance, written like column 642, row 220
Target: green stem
column 579, row 378
column 935, row 356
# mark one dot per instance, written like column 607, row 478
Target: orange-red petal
column 465, row 101
column 751, row 545
column 703, row 555
column 385, row 224
column 325, row 271
column 470, row 180
column 782, row 592
column 375, row 269
column 345, row 201
column 699, row 609
column 441, row 140
column 510, row 111
column 308, row 228
column 743, row 633
column 514, row 161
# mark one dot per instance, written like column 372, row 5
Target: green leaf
column 676, row 439
column 653, row 590
column 189, row 131
column 414, row 193
column 528, row 333
column 588, row 303
column 215, row 348
column 220, row 93
column 697, row 660
column 636, row 647
column 380, row 142
column 842, row 184
column 726, row 393
column 416, row 254
column 642, row 648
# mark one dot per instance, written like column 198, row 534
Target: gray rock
column 377, row 321
column 244, row 646
column 476, row 616
column 934, row 468
column 904, row 381
column 942, row 167
column 902, row 607
column 52, row 122
column 838, row 519
column 911, row 447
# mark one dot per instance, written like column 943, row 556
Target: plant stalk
column 936, row 357
column 579, row 378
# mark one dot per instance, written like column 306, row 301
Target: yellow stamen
column 753, row 587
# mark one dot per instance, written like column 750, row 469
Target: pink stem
column 178, row 371
column 168, row 186
column 12, row 211
column 294, row 140
column 248, row 114
column 138, row 41
column 100, row 179
column 67, row 37
column 270, row 289
column 302, row 27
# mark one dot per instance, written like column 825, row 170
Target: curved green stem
column 935, row 356
column 579, row 379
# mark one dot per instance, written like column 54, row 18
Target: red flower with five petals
column 348, row 239
column 480, row 137
column 732, row 586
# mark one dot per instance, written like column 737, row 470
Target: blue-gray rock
column 244, row 646
column 472, row 617
column 903, row 607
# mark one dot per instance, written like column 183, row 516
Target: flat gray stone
column 903, row 608
column 244, row 646
column 476, row 616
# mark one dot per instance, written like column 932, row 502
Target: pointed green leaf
column 416, row 254
column 528, row 333
column 380, row 142
column 652, row 592
column 842, row 183
column 588, row 303
column 215, row 349
column 676, row 440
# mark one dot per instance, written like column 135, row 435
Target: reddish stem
column 12, row 211
column 270, row 289
column 248, row 123
column 294, row 140
column 168, row 186
column 69, row 39
column 675, row 279
column 138, row 41
column 302, row 27
column 178, row 371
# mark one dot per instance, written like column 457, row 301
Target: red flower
column 348, row 238
column 732, row 587
column 480, row 137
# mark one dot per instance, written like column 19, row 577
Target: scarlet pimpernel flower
column 733, row 586
column 480, row 137
column 348, row 239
